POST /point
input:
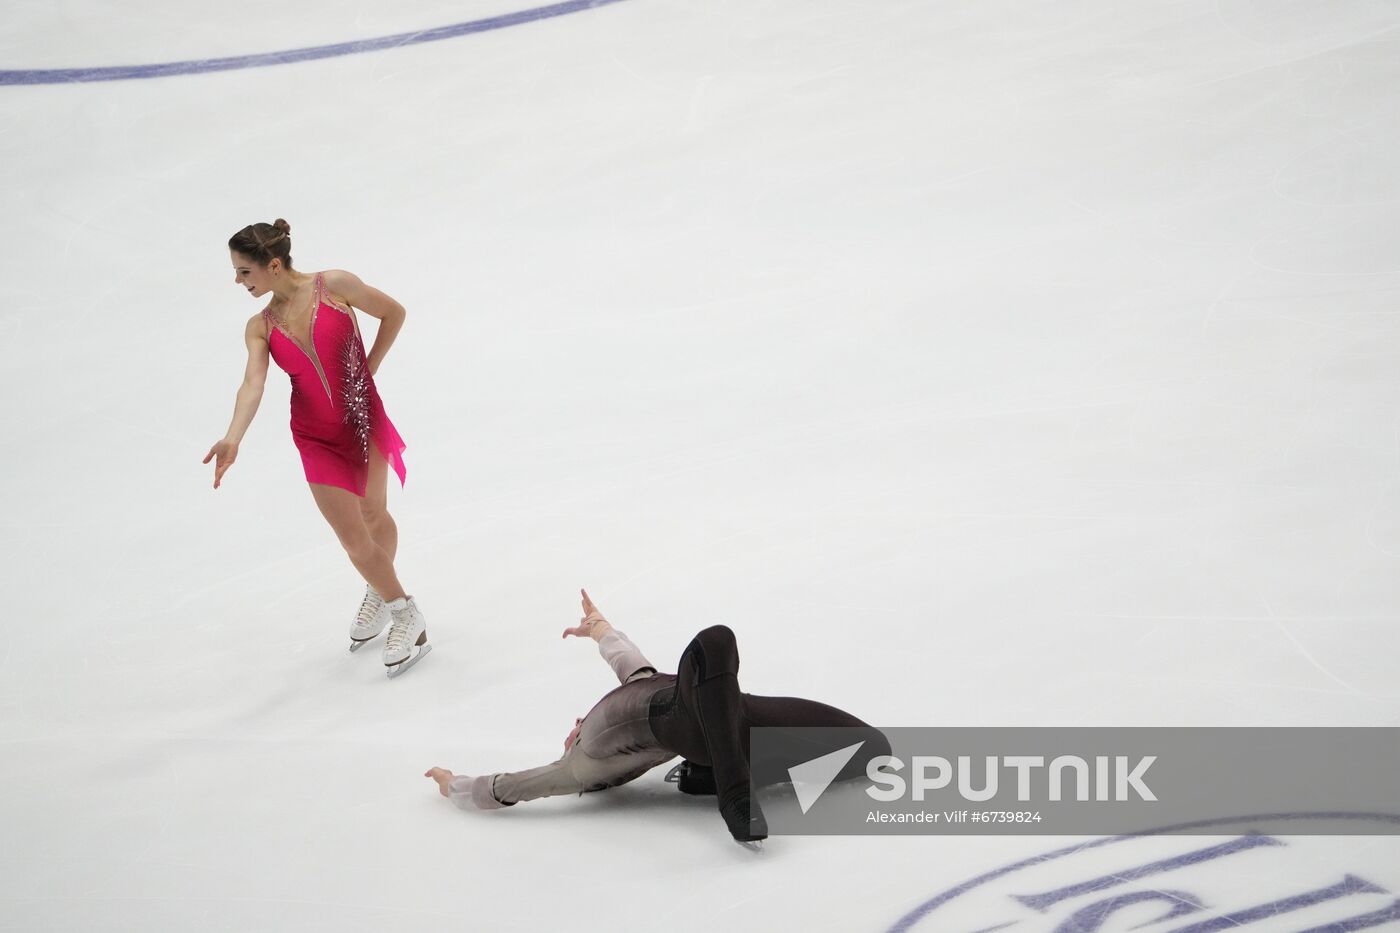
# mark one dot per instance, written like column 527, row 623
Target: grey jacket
column 614, row 745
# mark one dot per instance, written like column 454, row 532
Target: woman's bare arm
column 245, row 406
column 352, row 291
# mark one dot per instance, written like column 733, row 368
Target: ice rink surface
column 995, row 363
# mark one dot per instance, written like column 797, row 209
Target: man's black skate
column 744, row 818
column 690, row 778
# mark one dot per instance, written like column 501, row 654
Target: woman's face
column 573, row 736
column 257, row 279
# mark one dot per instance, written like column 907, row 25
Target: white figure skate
column 408, row 631
column 370, row 620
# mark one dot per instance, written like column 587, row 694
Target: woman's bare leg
column 374, row 507
column 342, row 510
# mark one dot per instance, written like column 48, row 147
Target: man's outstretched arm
column 465, row 790
column 494, row 791
column 625, row 658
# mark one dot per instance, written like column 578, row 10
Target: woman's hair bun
column 263, row 243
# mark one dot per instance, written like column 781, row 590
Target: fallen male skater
column 697, row 713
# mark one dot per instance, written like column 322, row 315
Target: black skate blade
column 755, row 845
column 397, row 669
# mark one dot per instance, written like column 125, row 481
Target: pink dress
column 336, row 411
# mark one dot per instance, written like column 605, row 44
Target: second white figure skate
column 408, row 636
column 370, row 620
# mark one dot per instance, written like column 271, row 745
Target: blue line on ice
column 264, row 59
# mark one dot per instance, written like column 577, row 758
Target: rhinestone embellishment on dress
column 356, row 391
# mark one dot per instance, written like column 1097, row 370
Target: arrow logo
column 811, row 778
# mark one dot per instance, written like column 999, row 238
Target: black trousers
column 709, row 718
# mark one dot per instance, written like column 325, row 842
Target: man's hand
column 592, row 624
column 443, row 778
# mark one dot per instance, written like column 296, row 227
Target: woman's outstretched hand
column 226, row 452
column 443, row 778
column 592, row 625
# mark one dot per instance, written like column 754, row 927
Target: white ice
column 980, row 363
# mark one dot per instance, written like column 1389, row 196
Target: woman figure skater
column 697, row 712
column 347, row 442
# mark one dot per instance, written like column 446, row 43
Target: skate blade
column 755, row 845
column 396, row 669
column 357, row 645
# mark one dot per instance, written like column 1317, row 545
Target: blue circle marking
column 915, row 916
column 265, row 59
